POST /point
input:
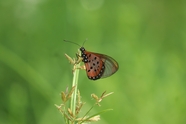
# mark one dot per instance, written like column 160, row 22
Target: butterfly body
column 98, row 65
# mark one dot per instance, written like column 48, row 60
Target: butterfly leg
column 79, row 58
column 73, row 61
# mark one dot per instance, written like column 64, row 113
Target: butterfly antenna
column 85, row 41
column 71, row 42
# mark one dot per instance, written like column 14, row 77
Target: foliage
column 147, row 38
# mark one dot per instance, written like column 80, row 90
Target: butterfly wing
column 100, row 65
column 111, row 66
column 94, row 67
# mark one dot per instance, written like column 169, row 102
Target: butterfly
column 98, row 65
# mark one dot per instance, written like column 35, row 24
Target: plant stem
column 74, row 83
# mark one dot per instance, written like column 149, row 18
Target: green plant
column 72, row 103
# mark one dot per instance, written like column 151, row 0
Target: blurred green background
column 147, row 38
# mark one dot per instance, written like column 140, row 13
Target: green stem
column 74, row 83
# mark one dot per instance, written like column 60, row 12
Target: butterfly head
column 82, row 49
